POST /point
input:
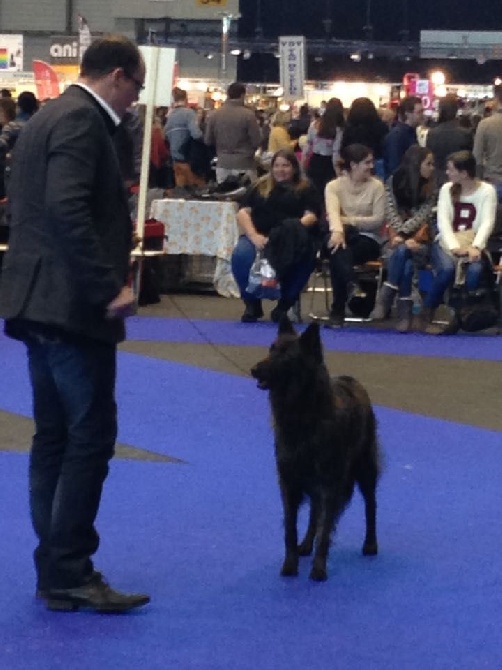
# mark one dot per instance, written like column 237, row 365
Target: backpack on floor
column 478, row 311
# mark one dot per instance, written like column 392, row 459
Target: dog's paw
column 305, row 548
column 289, row 568
column 370, row 549
column 318, row 574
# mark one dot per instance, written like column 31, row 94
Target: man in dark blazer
column 447, row 137
column 63, row 291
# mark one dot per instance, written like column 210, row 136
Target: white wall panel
column 175, row 9
column 21, row 15
column 24, row 15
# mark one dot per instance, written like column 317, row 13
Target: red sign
column 421, row 88
column 46, row 80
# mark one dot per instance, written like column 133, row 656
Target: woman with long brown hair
column 409, row 211
column 364, row 126
column 280, row 201
column 322, row 149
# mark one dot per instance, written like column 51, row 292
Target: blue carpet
column 355, row 338
column 205, row 539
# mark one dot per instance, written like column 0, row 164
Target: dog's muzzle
column 257, row 373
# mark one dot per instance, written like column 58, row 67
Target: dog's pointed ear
column 310, row 341
column 285, row 325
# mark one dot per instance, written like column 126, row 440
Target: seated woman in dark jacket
column 278, row 198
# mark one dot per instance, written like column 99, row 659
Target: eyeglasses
column 139, row 85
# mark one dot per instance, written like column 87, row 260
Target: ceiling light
column 356, row 57
column 235, row 52
column 246, row 54
column 437, row 78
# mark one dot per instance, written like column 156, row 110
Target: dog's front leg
column 307, row 545
column 330, row 510
column 291, row 502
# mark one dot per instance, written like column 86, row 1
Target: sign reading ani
column 64, row 49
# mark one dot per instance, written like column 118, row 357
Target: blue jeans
column 443, row 266
column 291, row 285
column 75, row 431
column 400, row 268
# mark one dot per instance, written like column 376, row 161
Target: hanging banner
column 46, row 80
column 11, row 53
column 292, row 54
column 166, row 71
column 84, row 35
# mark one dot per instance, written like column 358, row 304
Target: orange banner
column 46, row 80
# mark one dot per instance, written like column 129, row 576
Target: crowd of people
column 366, row 183
column 416, row 195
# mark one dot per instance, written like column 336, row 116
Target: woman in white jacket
column 465, row 218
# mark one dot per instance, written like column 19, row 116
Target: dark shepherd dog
column 325, row 443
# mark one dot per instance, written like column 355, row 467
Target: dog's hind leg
column 306, row 546
column 291, row 500
column 367, row 481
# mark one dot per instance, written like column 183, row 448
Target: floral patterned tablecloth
column 197, row 227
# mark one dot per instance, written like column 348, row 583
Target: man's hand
column 459, row 252
column 123, row 305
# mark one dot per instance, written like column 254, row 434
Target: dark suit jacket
column 398, row 141
column 445, row 139
column 70, row 235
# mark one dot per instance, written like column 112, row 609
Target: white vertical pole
column 152, row 65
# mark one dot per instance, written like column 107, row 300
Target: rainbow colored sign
column 4, row 59
column 11, row 52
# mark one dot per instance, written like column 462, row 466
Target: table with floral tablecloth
column 198, row 227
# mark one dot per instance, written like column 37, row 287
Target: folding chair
column 321, row 275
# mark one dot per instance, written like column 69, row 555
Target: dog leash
column 206, row 339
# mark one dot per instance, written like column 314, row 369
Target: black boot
column 336, row 317
column 281, row 309
column 253, row 311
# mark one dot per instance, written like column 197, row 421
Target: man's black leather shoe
column 96, row 595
